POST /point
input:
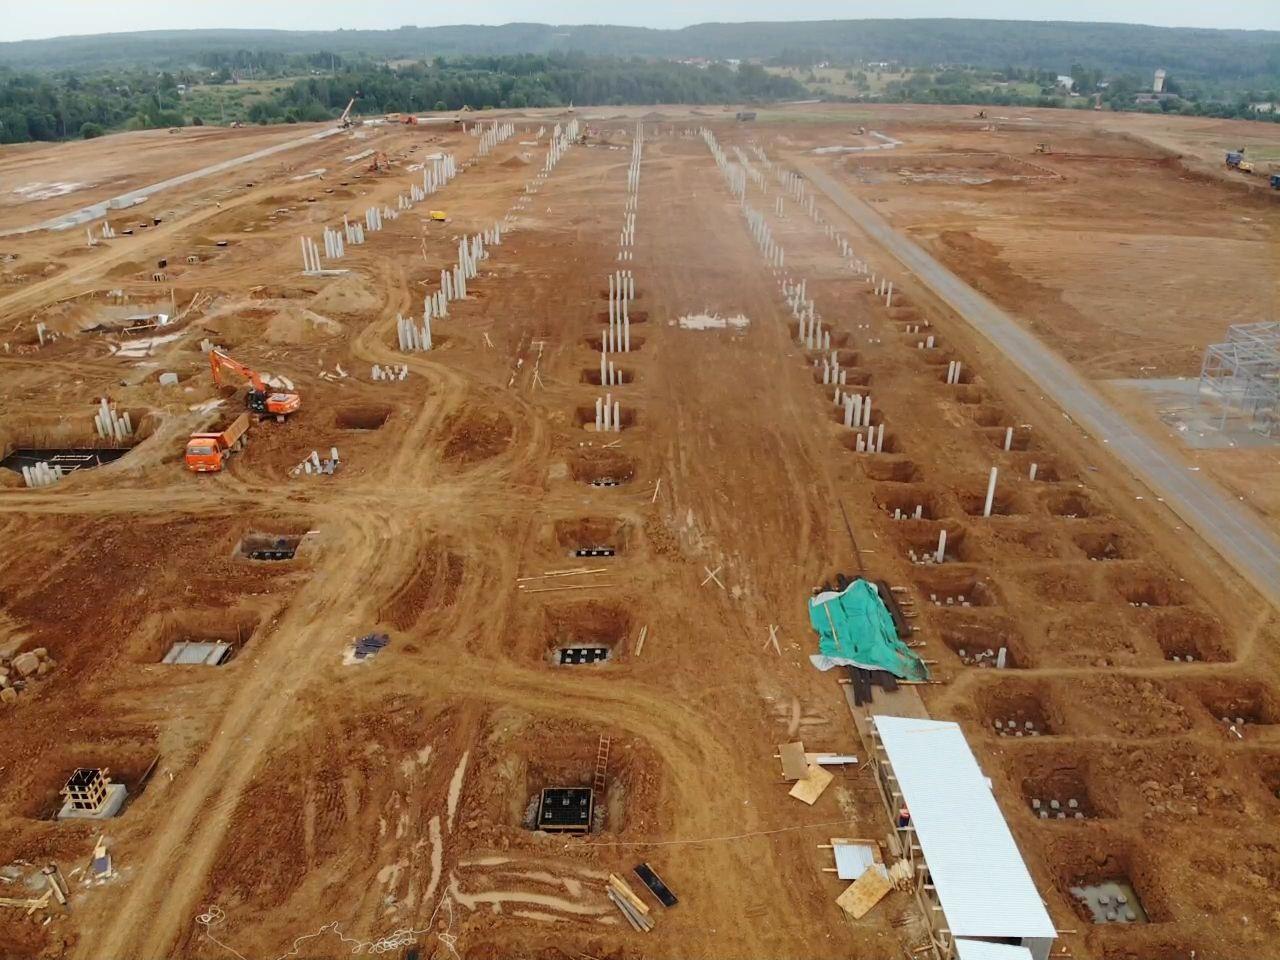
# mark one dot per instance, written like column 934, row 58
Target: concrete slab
column 116, row 794
column 1196, row 416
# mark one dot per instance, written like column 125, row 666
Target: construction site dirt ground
column 297, row 798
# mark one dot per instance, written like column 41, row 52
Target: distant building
column 1262, row 107
column 1065, row 82
column 182, row 88
column 1157, row 85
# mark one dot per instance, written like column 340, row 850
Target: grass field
column 218, row 103
column 835, row 81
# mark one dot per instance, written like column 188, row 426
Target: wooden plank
column 624, row 890
column 811, row 787
column 617, row 902
column 864, row 893
column 794, row 766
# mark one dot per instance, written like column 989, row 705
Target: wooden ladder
column 602, row 766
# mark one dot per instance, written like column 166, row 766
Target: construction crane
column 278, row 405
column 345, row 120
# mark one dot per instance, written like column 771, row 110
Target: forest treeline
column 1224, row 61
column 45, row 106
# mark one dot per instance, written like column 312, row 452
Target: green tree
column 89, row 130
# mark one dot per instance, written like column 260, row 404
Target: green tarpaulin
column 856, row 629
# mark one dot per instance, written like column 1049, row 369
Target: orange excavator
column 278, row 405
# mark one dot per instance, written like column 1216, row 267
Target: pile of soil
column 350, row 295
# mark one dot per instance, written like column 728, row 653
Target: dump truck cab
column 208, row 452
column 1234, row 157
column 1275, row 181
column 204, row 453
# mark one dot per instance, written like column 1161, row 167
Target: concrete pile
column 315, row 465
column 42, row 474
column 111, row 425
column 396, row 371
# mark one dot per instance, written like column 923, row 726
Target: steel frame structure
column 1243, row 372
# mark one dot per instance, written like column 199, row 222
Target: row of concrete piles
column 492, row 135
column 622, row 291
column 438, row 172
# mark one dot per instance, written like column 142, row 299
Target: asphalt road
column 1222, row 521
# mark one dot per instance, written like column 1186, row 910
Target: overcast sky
column 25, row 19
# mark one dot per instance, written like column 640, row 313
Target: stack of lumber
column 632, row 907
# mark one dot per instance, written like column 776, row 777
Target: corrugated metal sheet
column 189, row 652
column 978, row 950
column 980, row 877
column 855, row 859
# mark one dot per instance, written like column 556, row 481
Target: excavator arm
column 218, row 360
column 259, row 400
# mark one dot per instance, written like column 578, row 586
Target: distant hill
column 1231, row 59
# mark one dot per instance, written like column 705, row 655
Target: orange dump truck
column 207, row 452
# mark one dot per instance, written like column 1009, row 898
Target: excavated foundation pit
column 1239, row 703
column 837, row 414
column 1057, row 785
column 127, row 761
column 70, row 459
column 69, row 442
column 1091, row 636
column 888, row 446
column 965, row 392
column 918, row 542
column 1010, row 708
column 1140, row 587
column 269, row 546
column 597, row 343
column 885, row 470
column 603, row 468
column 950, row 586
column 1107, row 884
column 586, row 417
column 592, row 537
column 210, row 636
column 1005, row 503
column 569, row 763
column 1267, row 766
column 587, row 632
column 1073, row 505
column 1145, row 943
column 903, row 502
column 987, row 415
column 1104, row 545
column 1189, row 636
column 976, row 638
column 1019, row 464
column 1019, row 540
column 591, row 375
column 1020, row 440
column 362, row 417
column 633, row 316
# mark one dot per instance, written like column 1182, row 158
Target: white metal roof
column 981, row 950
column 980, row 877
